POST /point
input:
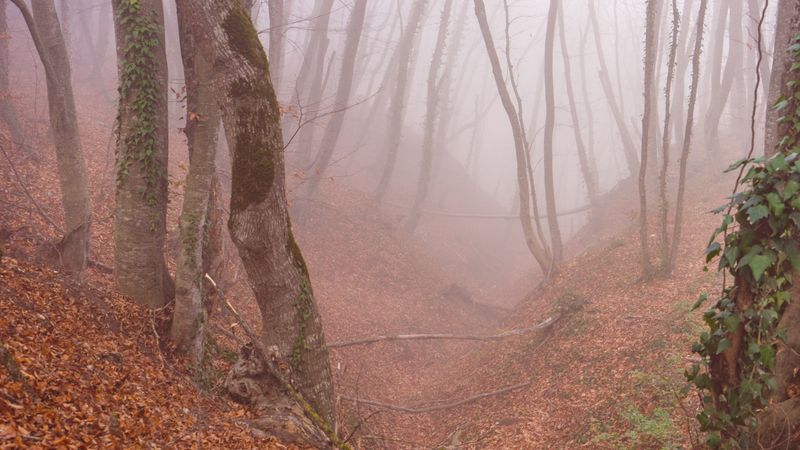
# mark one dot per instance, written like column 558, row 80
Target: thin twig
column 463, row 337
column 451, row 405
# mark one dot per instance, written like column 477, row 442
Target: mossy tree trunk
column 8, row 113
column 201, row 129
column 141, row 155
column 259, row 220
column 345, row 85
column 46, row 31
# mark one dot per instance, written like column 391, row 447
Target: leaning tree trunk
column 259, row 219
column 202, row 124
column 549, row 128
column 141, row 194
column 431, row 116
column 334, row 127
column 399, row 97
column 537, row 248
column 651, row 42
column 687, row 138
column 628, row 147
column 46, row 32
column 586, row 166
column 8, row 113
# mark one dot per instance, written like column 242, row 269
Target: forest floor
column 94, row 370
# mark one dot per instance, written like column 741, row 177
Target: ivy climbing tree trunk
column 259, row 219
column 141, row 156
column 781, row 60
column 434, row 101
column 46, row 32
column 8, row 113
column 334, row 127
column 201, row 129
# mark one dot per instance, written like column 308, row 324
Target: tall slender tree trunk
column 259, row 219
column 46, row 32
column 549, row 128
column 682, row 65
column 435, row 85
column 587, row 102
column 141, row 194
column 628, row 147
column 399, row 97
column 345, row 85
column 663, row 205
column 687, row 134
column 722, row 92
column 7, row 111
column 277, row 38
column 536, row 247
column 589, row 177
column 201, row 129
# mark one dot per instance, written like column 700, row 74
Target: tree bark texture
column 259, row 219
column 549, row 128
column 787, row 27
column 141, row 155
column 8, row 113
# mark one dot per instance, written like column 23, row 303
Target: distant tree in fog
column 7, row 111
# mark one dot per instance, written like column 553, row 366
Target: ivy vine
column 139, row 89
column 760, row 250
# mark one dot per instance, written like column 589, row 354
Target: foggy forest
column 400, row 224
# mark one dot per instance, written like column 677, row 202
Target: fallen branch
column 454, row 404
column 462, row 337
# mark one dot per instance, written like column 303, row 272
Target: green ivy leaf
column 723, row 345
column 756, row 213
column 775, row 204
column 758, row 264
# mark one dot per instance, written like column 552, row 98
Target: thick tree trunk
column 788, row 18
column 397, row 108
column 345, row 85
column 46, row 32
column 586, row 166
column 687, row 135
column 259, row 220
column 549, row 127
column 141, row 194
column 202, row 126
column 628, row 147
column 435, row 85
column 540, row 253
column 8, row 113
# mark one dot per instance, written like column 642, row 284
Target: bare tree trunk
column 720, row 95
column 587, row 103
column 277, row 38
column 628, row 148
column 435, row 85
column 687, row 134
column 141, row 195
column 66, row 24
column 259, row 220
column 549, row 127
column 663, row 205
column 684, row 43
column 202, row 126
column 586, row 166
column 534, row 245
column 46, row 32
column 651, row 41
column 7, row 111
column 331, row 136
column 398, row 104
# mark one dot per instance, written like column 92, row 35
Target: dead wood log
column 462, row 337
column 450, row 405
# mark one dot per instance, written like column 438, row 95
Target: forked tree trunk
column 536, row 247
column 46, row 32
column 687, row 136
column 345, row 85
column 549, row 128
column 651, row 41
column 141, row 194
column 259, row 219
column 202, row 126
column 628, row 147
column 719, row 97
column 397, row 108
column 8, row 113
column 435, row 85
column 586, row 166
